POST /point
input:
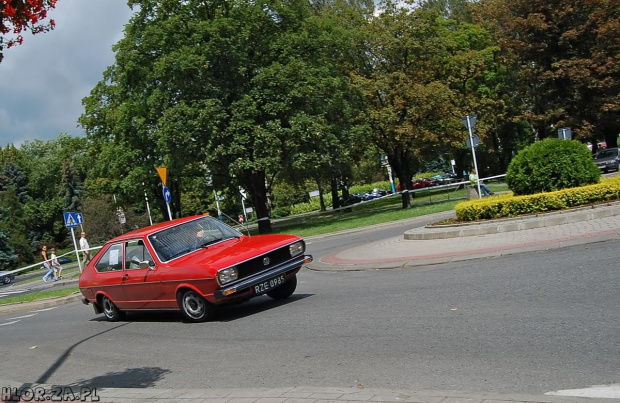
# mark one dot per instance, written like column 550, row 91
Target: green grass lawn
column 39, row 295
column 374, row 212
column 336, row 222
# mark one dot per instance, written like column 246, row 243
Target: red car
column 430, row 182
column 418, row 184
column 190, row 264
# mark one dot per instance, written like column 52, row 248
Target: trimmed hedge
column 505, row 206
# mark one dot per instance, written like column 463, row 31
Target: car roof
column 142, row 232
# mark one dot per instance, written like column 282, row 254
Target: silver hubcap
column 194, row 305
column 108, row 307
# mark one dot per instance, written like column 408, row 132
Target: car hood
column 605, row 159
column 236, row 250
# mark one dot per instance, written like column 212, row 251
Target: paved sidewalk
column 298, row 394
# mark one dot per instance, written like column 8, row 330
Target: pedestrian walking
column 56, row 265
column 85, row 248
column 47, row 264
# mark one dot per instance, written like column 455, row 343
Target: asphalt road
column 528, row 323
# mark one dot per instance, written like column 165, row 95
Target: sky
column 43, row 81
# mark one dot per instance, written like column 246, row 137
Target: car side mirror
column 145, row 264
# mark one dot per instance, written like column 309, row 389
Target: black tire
column 110, row 311
column 194, row 307
column 7, row 280
column 285, row 290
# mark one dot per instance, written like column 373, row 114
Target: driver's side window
column 136, row 252
column 111, row 259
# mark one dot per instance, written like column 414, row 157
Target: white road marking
column 43, row 310
column 8, row 323
column 596, row 391
column 25, row 316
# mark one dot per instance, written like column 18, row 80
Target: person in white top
column 84, row 247
column 56, row 265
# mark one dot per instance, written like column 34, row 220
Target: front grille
column 255, row 265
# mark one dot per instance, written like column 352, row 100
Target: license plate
column 269, row 285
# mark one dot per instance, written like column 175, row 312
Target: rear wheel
column 194, row 307
column 6, row 279
column 285, row 290
column 110, row 311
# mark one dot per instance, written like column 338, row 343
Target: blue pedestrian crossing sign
column 72, row 220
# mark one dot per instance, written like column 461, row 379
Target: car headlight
column 297, row 248
column 227, row 275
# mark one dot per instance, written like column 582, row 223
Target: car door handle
column 125, row 276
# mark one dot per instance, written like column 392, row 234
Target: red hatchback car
column 190, row 264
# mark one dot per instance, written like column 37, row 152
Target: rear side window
column 112, row 259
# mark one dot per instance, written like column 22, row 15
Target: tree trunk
column 334, row 189
column 319, row 183
column 256, row 183
column 404, row 177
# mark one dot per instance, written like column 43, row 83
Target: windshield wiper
column 212, row 241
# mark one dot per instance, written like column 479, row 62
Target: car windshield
column 606, row 154
column 192, row 235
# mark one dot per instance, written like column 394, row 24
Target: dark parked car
column 445, row 178
column 6, row 277
column 192, row 265
column 608, row 160
column 375, row 193
column 353, row 198
column 64, row 260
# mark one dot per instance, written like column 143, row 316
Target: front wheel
column 110, row 311
column 194, row 307
column 7, row 280
column 285, row 290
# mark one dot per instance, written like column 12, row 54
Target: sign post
column 217, row 196
column 384, row 161
column 168, row 199
column 72, row 220
column 470, row 121
column 243, row 197
column 565, row 133
column 147, row 204
column 163, row 175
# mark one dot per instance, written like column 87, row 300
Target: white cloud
column 43, row 81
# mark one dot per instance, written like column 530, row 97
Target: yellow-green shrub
column 512, row 206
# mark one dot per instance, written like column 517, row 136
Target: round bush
column 551, row 164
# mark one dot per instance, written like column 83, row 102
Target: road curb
column 40, row 304
column 513, row 224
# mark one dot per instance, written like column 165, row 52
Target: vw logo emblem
column 266, row 261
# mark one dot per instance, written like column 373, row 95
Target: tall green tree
column 14, row 177
column 567, row 57
column 71, row 190
column 233, row 85
column 417, row 75
column 13, row 225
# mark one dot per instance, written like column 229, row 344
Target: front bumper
column 244, row 284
